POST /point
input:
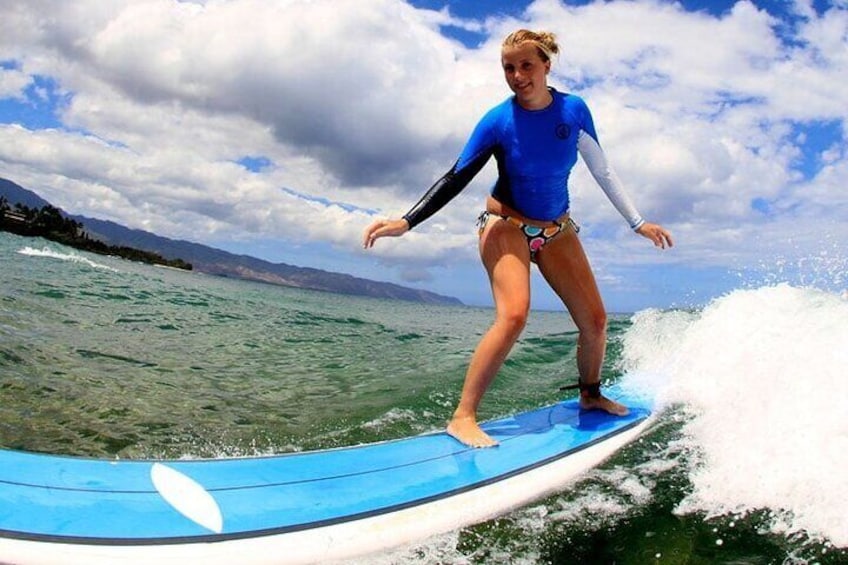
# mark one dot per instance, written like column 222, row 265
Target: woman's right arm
column 383, row 228
column 446, row 188
column 474, row 156
column 443, row 191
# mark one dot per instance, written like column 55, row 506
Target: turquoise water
column 103, row 357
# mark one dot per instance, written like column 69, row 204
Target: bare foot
column 465, row 430
column 605, row 404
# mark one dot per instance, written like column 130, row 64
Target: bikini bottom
column 536, row 236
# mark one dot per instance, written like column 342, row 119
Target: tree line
column 49, row 222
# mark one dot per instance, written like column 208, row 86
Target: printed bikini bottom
column 536, row 236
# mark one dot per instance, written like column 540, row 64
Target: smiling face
column 526, row 73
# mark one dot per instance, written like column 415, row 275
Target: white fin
column 187, row 496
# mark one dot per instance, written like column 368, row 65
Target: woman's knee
column 514, row 320
column 595, row 326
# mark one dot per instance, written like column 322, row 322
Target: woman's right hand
column 383, row 228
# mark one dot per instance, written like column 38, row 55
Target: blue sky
column 280, row 129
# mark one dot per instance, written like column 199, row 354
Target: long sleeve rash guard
column 535, row 151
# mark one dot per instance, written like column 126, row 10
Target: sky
column 281, row 128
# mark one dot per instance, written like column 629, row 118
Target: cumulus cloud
column 357, row 107
column 12, row 83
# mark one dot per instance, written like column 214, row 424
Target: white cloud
column 12, row 83
column 368, row 103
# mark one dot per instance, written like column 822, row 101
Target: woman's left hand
column 656, row 233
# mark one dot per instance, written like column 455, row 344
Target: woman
column 535, row 137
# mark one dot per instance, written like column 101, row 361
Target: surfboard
column 301, row 507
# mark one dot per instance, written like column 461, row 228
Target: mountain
column 16, row 194
column 213, row 261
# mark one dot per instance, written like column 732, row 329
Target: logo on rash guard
column 563, row 131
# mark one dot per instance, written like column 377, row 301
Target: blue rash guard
column 535, row 151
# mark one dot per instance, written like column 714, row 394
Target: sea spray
column 761, row 373
column 63, row 256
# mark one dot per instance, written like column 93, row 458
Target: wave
column 760, row 374
column 74, row 257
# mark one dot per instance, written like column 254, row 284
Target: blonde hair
column 544, row 41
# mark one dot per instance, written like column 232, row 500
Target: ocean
column 746, row 465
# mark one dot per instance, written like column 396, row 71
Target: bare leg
column 507, row 260
column 564, row 265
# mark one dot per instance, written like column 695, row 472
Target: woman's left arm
column 656, row 233
column 607, row 179
column 605, row 176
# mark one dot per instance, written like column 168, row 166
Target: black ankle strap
column 592, row 390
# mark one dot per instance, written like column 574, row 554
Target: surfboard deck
column 295, row 507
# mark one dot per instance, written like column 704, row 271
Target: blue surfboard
column 306, row 507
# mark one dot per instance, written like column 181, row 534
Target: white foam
column 74, row 257
column 393, row 416
column 437, row 549
column 762, row 373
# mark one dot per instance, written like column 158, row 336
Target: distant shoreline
column 49, row 223
column 24, row 204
